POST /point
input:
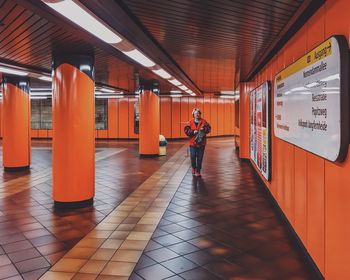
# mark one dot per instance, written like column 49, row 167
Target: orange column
column 16, row 123
column 149, row 122
column 73, row 121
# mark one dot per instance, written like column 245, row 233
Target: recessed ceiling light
column 84, row 19
column 109, row 96
column 140, row 58
column 45, row 78
column 184, row 88
column 12, row 71
column 175, row 82
column 162, row 73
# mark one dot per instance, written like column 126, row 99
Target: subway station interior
column 156, row 139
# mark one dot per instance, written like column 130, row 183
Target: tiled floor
column 34, row 236
column 218, row 227
column 221, row 226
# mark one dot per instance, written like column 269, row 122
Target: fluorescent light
column 162, row 73
column 97, row 92
column 45, row 78
column 140, row 58
column 229, row 92
column 38, row 97
column 12, row 71
column 228, row 96
column 176, row 95
column 85, row 67
column 40, row 93
column 109, row 96
column 107, row 90
column 184, row 88
column 40, row 89
column 193, row 94
column 175, row 82
column 84, row 19
column 175, row 91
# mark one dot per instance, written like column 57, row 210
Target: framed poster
column 311, row 101
column 260, row 128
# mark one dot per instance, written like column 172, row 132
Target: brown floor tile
column 68, row 265
column 127, row 256
column 155, row 272
column 51, row 275
column 80, row 253
column 93, row 267
column 17, row 246
column 4, row 260
column 84, row 276
column 35, row 274
column 24, row 255
column 51, row 248
column 103, row 254
column 53, row 258
column 32, row 264
column 179, row 265
column 118, row 269
column 8, row 271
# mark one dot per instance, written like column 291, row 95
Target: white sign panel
column 260, row 128
column 308, row 109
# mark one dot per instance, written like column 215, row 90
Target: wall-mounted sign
column 311, row 101
column 260, row 128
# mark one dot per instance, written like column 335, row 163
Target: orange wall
column 313, row 193
column 174, row 114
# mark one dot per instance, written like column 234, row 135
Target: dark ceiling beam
column 304, row 12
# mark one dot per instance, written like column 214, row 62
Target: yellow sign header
column 318, row 53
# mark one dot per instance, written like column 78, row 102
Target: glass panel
column 41, row 113
column 35, row 113
column 46, row 114
column 101, row 114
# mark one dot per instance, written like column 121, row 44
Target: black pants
column 197, row 154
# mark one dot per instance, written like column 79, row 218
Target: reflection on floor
column 219, row 226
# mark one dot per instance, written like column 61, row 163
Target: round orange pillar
column 149, row 127
column 16, row 123
column 73, row 123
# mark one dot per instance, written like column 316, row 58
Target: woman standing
column 197, row 129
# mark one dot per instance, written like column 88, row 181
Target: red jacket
column 191, row 127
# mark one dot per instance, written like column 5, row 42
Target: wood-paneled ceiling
column 209, row 45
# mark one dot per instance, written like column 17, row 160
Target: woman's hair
column 196, row 109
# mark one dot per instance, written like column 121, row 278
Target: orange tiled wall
column 175, row 112
column 313, row 193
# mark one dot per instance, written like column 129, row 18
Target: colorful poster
column 260, row 128
column 311, row 101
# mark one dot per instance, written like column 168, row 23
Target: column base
column 73, row 204
column 17, row 169
column 149, row 155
